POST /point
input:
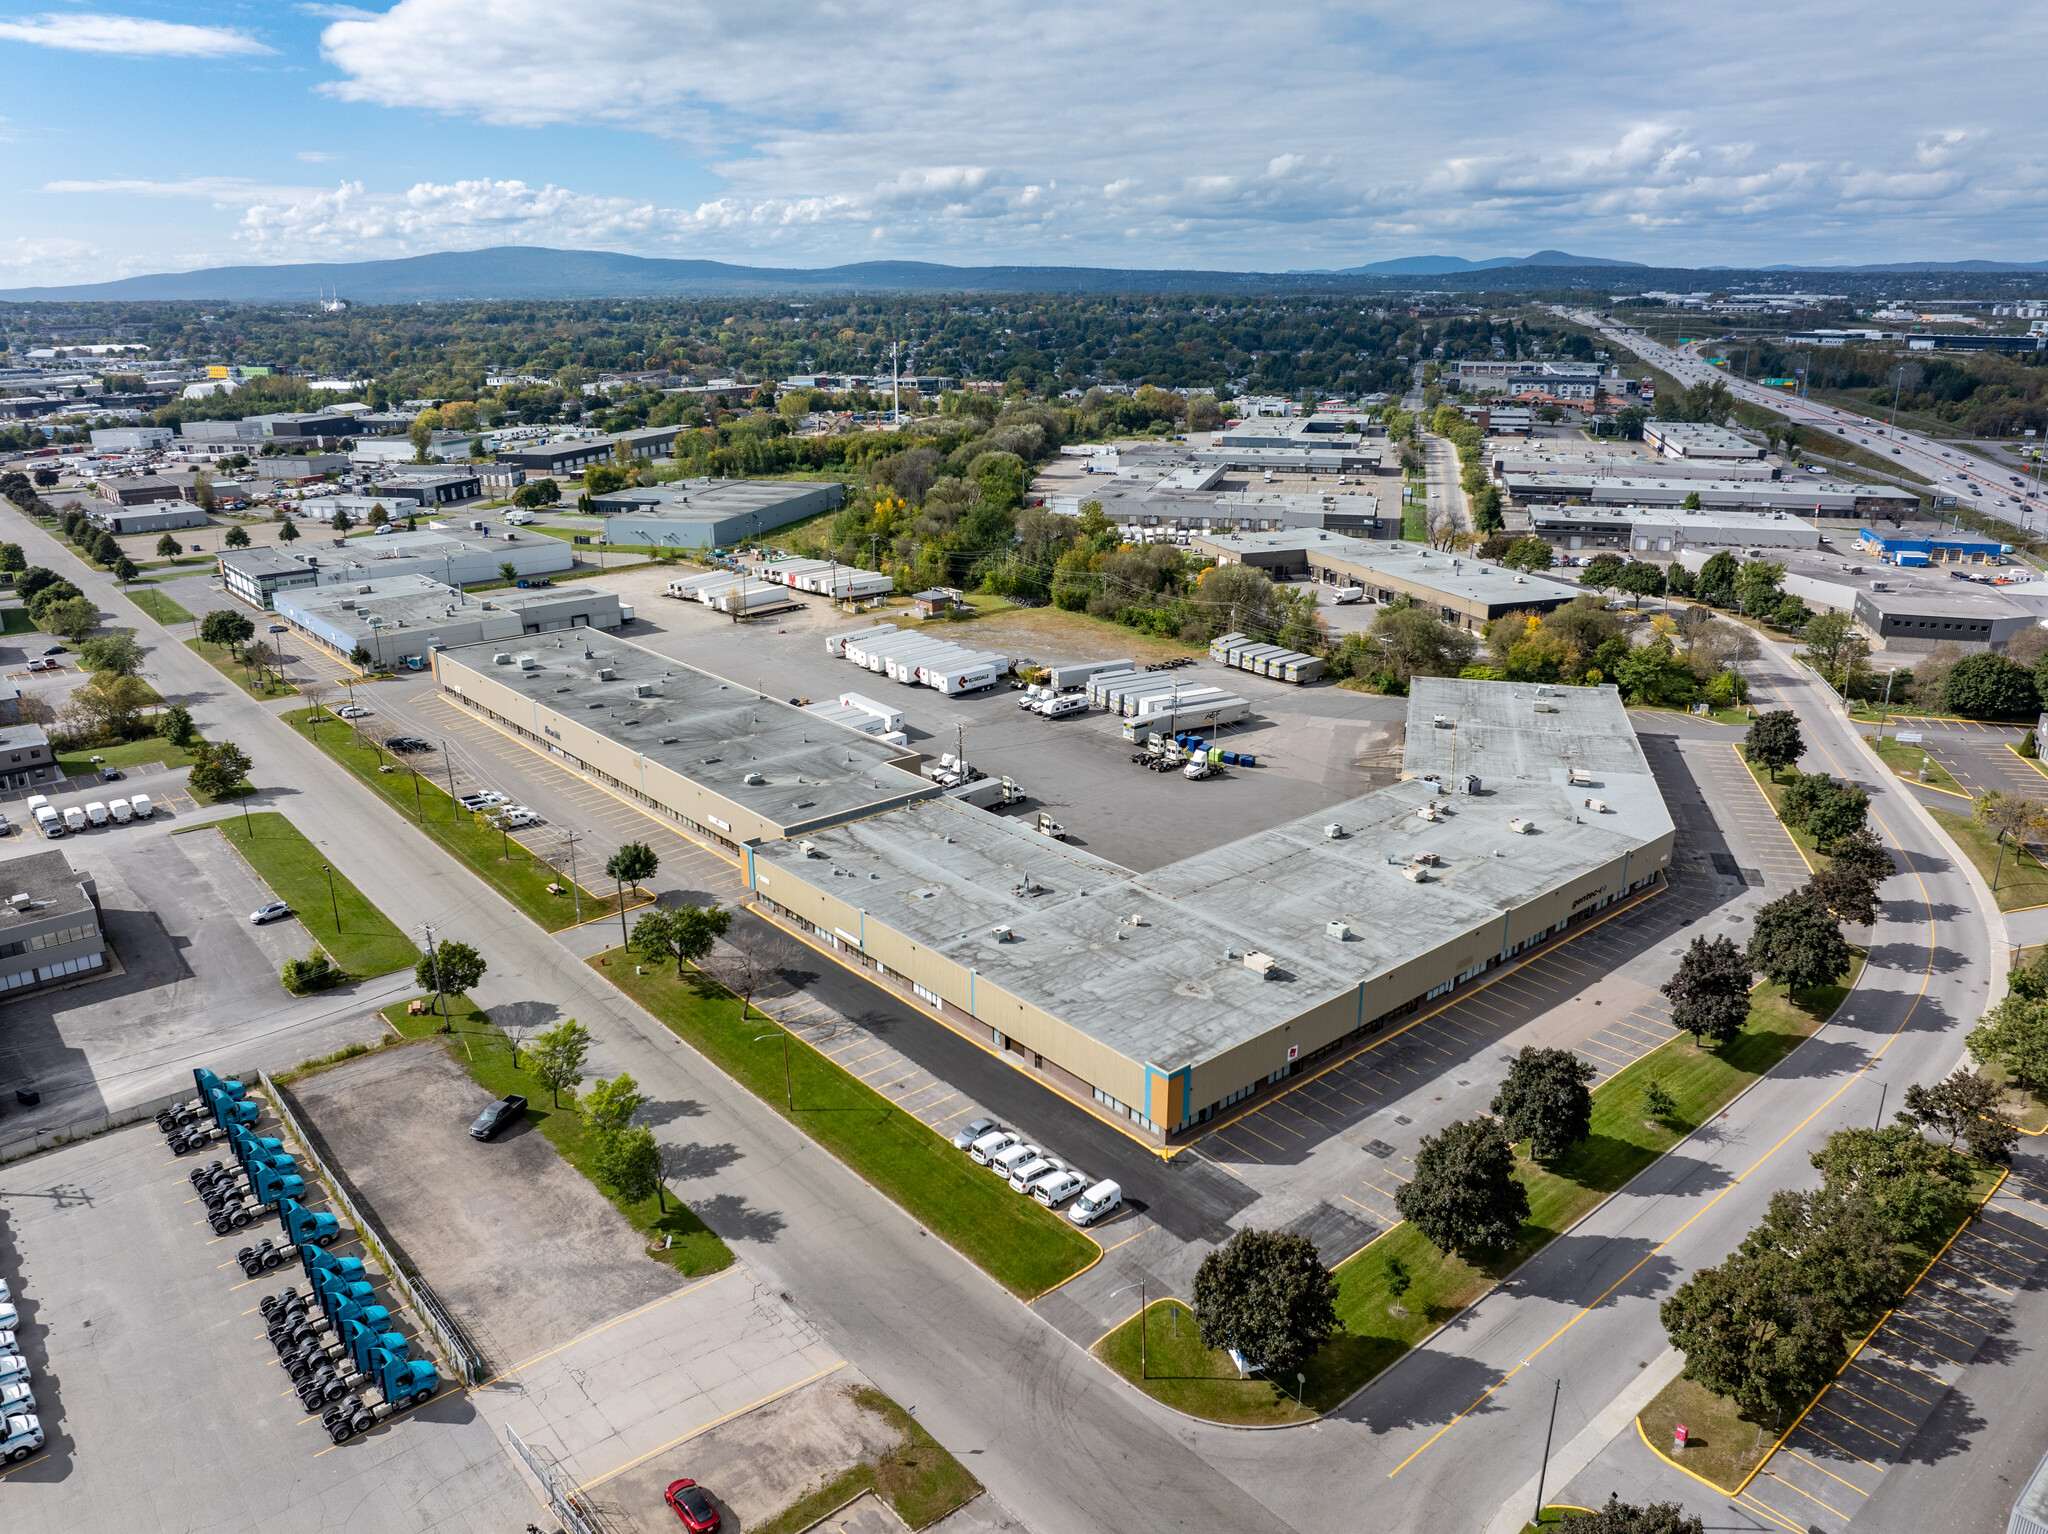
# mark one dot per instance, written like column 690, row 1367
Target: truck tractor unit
column 395, row 1383
column 194, row 1125
column 234, row 1201
column 21, row 1434
column 304, row 1236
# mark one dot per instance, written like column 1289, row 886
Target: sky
column 168, row 136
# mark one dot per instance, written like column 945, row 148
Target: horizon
column 338, row 135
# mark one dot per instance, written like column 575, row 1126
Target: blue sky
column 167, row 136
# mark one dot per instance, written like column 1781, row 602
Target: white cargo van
column 74, row 819
column 120, row 810
column 994, row 1143
column 142, row 807
column 1105, row 1198
column 96, row 812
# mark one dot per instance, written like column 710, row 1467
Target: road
column 1447, row 508
column 1977, row 478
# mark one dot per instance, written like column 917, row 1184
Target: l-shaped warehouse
column 1162, row 997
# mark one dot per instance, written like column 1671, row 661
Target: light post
column 332, row 900
column 570, row 839
column 788, row 1090
column 1543, row 1470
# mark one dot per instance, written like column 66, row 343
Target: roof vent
column 754, row 779
column 1597, row 806
column 669, row 740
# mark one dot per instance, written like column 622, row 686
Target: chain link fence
column 576, row 1516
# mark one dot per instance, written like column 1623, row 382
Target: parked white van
column 994, row 1143
column 1105, row 1198
column 74, row 819
column 1006, row 1161
column 120, row 810
column 142, row 807
column 96, row 812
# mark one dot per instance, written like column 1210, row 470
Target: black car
column 55, row 649
column 506, row 1110
column 404, row 745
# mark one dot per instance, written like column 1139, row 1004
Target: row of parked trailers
column 920, row 660
column 1276, row 661
column 826, row 577
column 728, row 591
column 1150, row 701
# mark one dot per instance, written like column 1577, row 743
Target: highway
column 1965, row 472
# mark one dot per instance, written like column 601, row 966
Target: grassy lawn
column 1022, row 1245
column 1730, row 716
column 230, row 666
column 17, row 621
column 130, row 753
column 1551, row 1516
column 2024, row 1108
column 2022, row 881
column 917, row 1478
column 1906, row 761
column 1377, row 1331
column 486, row 1054
column 1724, row 1446
column 500, row 861
column 159, row 607
column 366, row 942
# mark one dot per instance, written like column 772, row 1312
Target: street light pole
column 1543, row 1470
column 788, row 1091
column 331, row 900
column 570, row 839
column 434, row 954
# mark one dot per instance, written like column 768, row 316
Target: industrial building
column 1909, row 610
column 1698, row 439
column 1949, row 546
column 51, row 927
column 156, row 517
column 1664, row 529
column 416, row 615
column 458, row 556
column 1818, row 497
column 142, row 489
column 1464, row 592
column 25, row 757
column 1161, row 998
column 1610, row 463
column 132, row 439
column 711, row 513
column 427, row 490
column 578, row 453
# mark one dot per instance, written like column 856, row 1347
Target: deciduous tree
column 2014, row 1035
column 557, row 1056
column 460, row 968
column 1774, row 741
column 1267, row 1294
column 1465, row 1192
column 1964, row 1107
column 1913, row 1184
column 224, row 626
column 1544, row 1101
column 684, row 933
column 1709, row 994
column 1797, row 942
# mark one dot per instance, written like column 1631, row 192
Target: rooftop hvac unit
column 604, row 674
column 529, row 663
column 808, row 849
column 1441, row 721
column 1465, row 783
column 1002, row 934
column 643, row 689
column 362, row 591
column 347, row 603
column 1427, row 812
column 1546, row 708
column 1337, row 932
column 1415, row 873
column 1520, row 826
column 1261, row 964
column 21, row 902
column 1333, row 832
column 754, row 779
column 502, row 658
column 1597, row 806
column 1578, row 777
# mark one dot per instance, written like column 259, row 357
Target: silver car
column 974, row 1131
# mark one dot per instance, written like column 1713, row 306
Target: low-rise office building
column 51, row 926
column 156, row 517
column 579, row 453
column 142, row 489
column 256, row 575
column 305, row 425
column 710, row 513
column 1911, row 610
column 26, row 759
column 221, row 431
column 1465, row 592
column 1816, row 498
column 398, row 616
column 427, row 491
column 458, row 556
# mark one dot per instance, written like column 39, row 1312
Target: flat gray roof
column 706, row 500
column 264, row 559
column 1452, row 574
column 1172, row 989
column 703, row 726
column 49, row 880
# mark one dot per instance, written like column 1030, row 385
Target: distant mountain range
column 532, row 272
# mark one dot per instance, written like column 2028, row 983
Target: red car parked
column 697, row 1511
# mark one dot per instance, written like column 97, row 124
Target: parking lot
column 164, row 1402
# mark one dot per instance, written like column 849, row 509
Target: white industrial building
column 399, row 616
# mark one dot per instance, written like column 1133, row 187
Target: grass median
column 357, row 936
column 130, row 753
column 230, row 665
column 486, row 1053
column 512, row 869
column 1378, row 1328
column 158, row 606
column 1724, row 1446
column 1908, row 761
column 2022, row 881
column 1021, row 1244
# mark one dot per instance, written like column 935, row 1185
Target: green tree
column 289, row 533
column 11, row 559
column 360, row 658
column 1545, row 1101
column 2012, row 817
column 2014, row 1035
column 1465, row 1192
column 1839, row 810
column 342, row 521
column 1913, row 1185
column 1639, row 578
column 1528, row 552
column 1267, row 1294
column 1989, row 687
column 1863, row 850
column 460, row 968
column 1774, row 741
column 1618, row 1517
column 1716, row 580
column 557, row 1056
column 378, row 516
column 630, row 1161
column 168, row 547
column 225, row 626
column 1691, row 501
column 1602, row 572
column 1658, row 1103
column 1750, row 1331
column 609, row 1106
column 1848, row 890
column 684, row 933
column 174, row 724
column 118, row 653
column 237, row 538
column 219, row 767
column 107, row 707
column 1839, row 1247
column 1967, row 1107
column 509, row 570
column 1756, row 586
column 1797, row 942
column 32, row 582
column 1709, row 993
column 1655, row 674
column 74, row 618
column 125, row 569
column 1833, row 645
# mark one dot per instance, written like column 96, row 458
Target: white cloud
column 135, row 35
column 317, row 156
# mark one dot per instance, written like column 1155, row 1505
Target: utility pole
column 454, row 804
column 1543, row 1470
column 569, row 840
column 331, row 900
column 434, row 954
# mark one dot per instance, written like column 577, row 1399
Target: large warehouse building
column 1162, row 998
column 1463, row 591
column 709, row 513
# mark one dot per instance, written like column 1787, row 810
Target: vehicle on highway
column 992, row 1144
column 699, row 1514
column 1055, row 1189
column 1104, row 1199
column 974, row 1131
column 274, row 911
column 501, row 1114
column 406, row 744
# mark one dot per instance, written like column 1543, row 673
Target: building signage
column 1589, row 895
